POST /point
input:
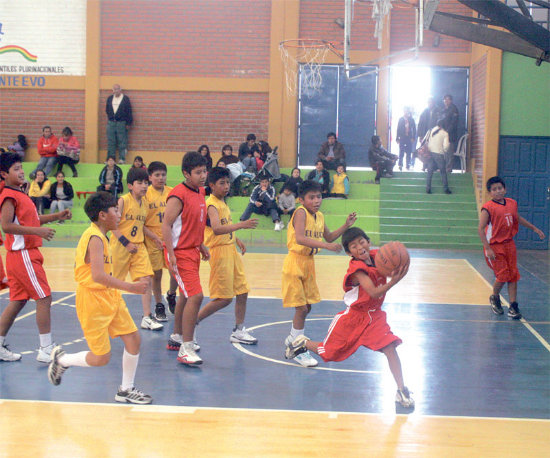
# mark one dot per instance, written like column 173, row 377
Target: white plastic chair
column 462, row 150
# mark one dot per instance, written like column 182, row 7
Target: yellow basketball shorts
column 227, row 277
column 102, row 314
column 298, row 281
column 156, row 256
column 138, row 264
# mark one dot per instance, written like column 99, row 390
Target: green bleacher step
column 428, row 229
column 435, row 220
column 420, row 213
column 433, row 238
column 426, row 205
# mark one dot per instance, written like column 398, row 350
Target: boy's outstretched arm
column 528, row 225
column 376, row 291
column 58, row 216
column 332, row 236
column 7, row 215
column 299, row 222
column 174, row 207
column 94, row 255
column 220, row 229
column 483, row 221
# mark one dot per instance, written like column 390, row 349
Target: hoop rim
column 306, row 43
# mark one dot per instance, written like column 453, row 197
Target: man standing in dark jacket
column 119, row 113
column 428, row 119
column 406, row 138
column 450, row 118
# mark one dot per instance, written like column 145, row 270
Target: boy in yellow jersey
column 227, row 278
column 99, row 304
column 127, row 245
column 156, row 203
column 306, row 231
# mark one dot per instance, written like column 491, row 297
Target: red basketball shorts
column 505, row 264
column 187, row 275
column 26, row 276
column 350, row 329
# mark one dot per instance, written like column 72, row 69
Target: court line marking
column 185, row 409
column 286, row 363
column 53, row 303
column 525, row 323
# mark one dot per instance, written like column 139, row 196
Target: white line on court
column 277, row 361
column 530, row 328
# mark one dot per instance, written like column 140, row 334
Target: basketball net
column 380, row 9
column 311, row 54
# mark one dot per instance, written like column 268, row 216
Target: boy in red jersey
column 498, row 224
column 183, row 235
column 363, row 322
column 26, row 277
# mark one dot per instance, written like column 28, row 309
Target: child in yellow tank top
column 99, row 305
column 156, row 196
column 128, row 244
column 339, row 185
column 305, row 235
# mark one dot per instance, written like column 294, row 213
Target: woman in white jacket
column 438, row 145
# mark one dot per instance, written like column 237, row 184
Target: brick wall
column 317, row 21
column 27, row 111
column 181, row 121
column 402, row 29
column 477, row 130
column 209, row 38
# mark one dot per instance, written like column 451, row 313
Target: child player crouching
column 363, row 322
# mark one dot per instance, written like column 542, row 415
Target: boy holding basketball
column 363, row 322
column 498, row 224
column 99, row 304
column 306, row 231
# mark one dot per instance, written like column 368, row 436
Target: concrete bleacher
column 397, row 209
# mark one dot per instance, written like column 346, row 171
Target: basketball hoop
column 380, row 10
column 312, row 54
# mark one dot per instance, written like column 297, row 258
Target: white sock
column 129, row 367
column 74, row 359
column 45, row 339
column 2, row 340
column 176, row 337
column 295, row 332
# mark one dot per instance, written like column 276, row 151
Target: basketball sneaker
column 175, row 341
column 149, row 322
column 297, row 347
column 187, row 355
column 133, row 396
column 7, row 355
column 171, row 300
column 496, row 306
column 513, row 311
column 160, row 313
column 45, row 353
column 306, row 360
column 404, row 398
column 242, row 336
column 55, row 369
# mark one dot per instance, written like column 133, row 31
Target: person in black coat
column 406, row 138
column 320, row 174
column 450, row 118
column 110, row 178
column 119, row 115
column 61, row 194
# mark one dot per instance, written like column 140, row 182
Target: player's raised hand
column 65, row 214
column 249, row 223
column 45, row 232
column 336, row 247
column 132, row 248
column 241, row 246
column 350, row 220
column 398, row 274
column 139, row 287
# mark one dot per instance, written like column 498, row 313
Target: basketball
column 392, row 256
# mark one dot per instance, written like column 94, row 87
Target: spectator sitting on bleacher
column 286, row 201
column 19, row 147
column 295, row 181
column 61, row 195
column 227, row 156
column 39, row 191
column 68, row 151
column 110, row 178
column 321, row 176
column 381, row 160
column 339, row 185
column 47, row 148
column 262, row 201
column 138, row 163
column 246, row 152
column 205, row 152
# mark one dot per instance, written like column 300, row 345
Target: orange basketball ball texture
column 390, row 257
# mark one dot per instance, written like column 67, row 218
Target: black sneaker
column 513, row 311
column 160, row 314
column 171, row 299
column 448, row 191
column 496, row 306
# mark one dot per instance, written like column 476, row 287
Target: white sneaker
column 404, row 398
column 7, row 355
column 45, row 354
column 279, row 226
column 187, row 355
column 306, row 360
column 242, row 336
column 132, row 396
column 148, row 322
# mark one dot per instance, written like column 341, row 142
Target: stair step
column 440, row 245
column 433, row 238
column 421, row 213
column 426, row 205
column 428, row 229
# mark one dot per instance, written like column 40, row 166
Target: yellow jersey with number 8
column 314, row 229
column 132, row 219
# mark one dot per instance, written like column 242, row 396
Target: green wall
column 525, row 99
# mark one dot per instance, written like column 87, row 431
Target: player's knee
column 98, row 360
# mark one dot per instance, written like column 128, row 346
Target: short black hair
column 156, row 166
column 192, row 160
column 352, row 234
column 250, row 137
column 99, row 202
column 375, row 139
column 493, row 180
column 448, row 95
column 229, row 147
column 309, row 186
column 217, row 173
column 135, row 174
column 331, row 134
column 67, row 131
column 7, row 160
column 46, row 127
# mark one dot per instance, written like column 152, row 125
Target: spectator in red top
column 47, row 148
column 68, row 151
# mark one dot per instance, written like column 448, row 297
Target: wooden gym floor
column 481, row 382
